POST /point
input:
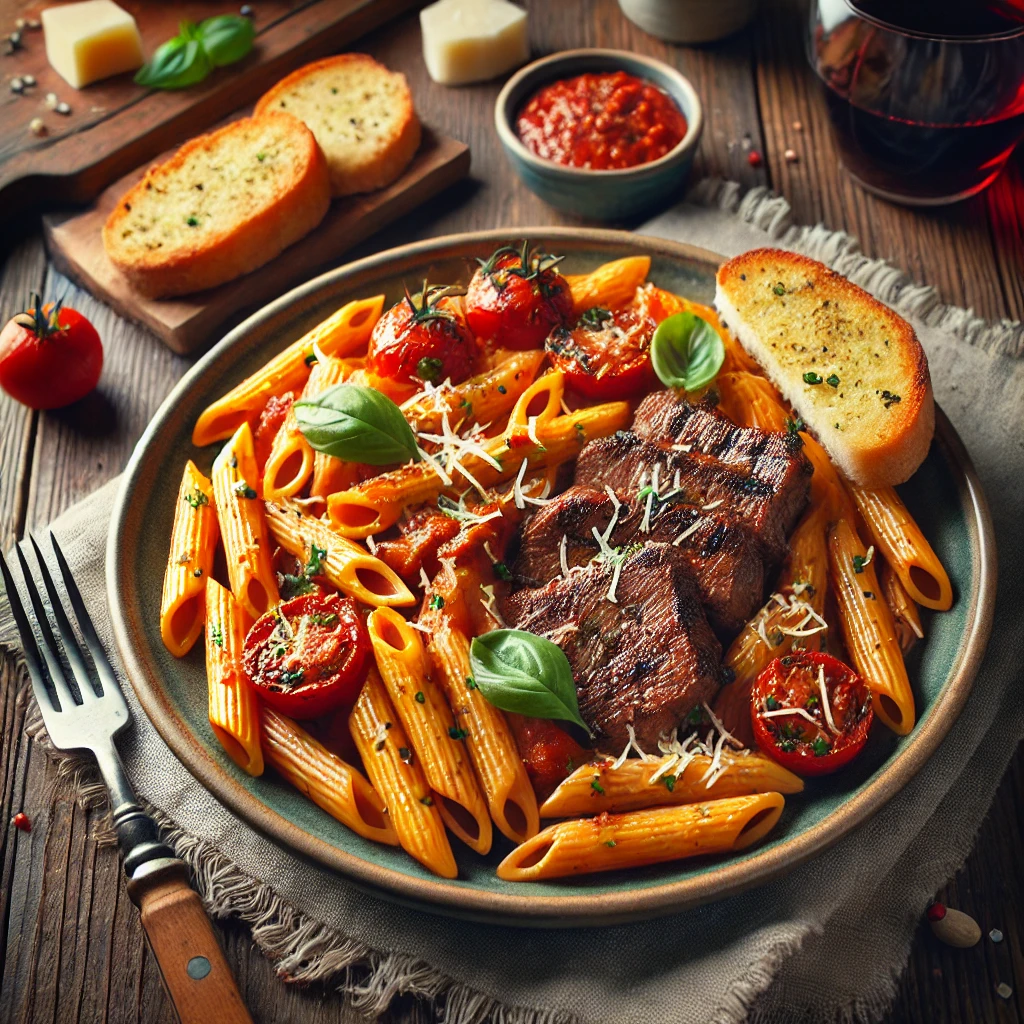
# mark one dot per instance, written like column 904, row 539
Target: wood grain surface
column 75, row 244
column 70, row 940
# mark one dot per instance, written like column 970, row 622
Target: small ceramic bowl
column 600, row 195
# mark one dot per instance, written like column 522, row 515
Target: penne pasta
column 782, row 624
column 900, row 539
column 325, row 778
column 827, row 488
column 331, row 475
column 492, row 748
column 291, row 459
column 347, row 566
column 243, row 528
column 868, row 629
column 428, row 722
column 610, row 842
column 750, row 400
column 341, row 334
column 398, row 777
column 637, row 784
column 905, row 614
column 234, row 709
column 378, row 503
column 610, row 286
column 189, row 562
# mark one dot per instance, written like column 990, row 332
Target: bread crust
column 296, row 208
column 388, row 161
column 875, row 454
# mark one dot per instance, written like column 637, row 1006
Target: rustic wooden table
column 70, row 940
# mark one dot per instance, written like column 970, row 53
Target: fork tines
column 48, row 654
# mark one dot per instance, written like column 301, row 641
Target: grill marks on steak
column 721, row 551
column 644, row 661
column 767, row 495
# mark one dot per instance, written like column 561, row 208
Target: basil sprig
column 526, row 674
column 190, row 56
column 686, row 352
column 356, row 424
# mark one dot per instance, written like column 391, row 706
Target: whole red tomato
column 309, row 655
column 606, row 355
column 517, row 299
column 50, row 356
column 423, row 338
column 810, row 712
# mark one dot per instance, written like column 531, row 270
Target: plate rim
column 531, row 910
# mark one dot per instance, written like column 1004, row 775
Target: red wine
column 926, row 100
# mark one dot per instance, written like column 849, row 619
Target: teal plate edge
column 945, row 495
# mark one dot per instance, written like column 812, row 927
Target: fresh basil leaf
column 177, row 64
column 357, row 424
column 226, row 38
column 686, row 352
column 526, row 674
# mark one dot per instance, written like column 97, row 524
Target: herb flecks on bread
column 223, row 205
column 853, row 369
column 361, row 114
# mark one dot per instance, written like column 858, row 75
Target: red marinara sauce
column 602, row 122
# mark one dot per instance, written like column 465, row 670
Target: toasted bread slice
column 360, row 113
column 851, row 367
column 224, row 204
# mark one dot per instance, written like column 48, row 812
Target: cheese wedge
column 473, row 40
column 91, row 40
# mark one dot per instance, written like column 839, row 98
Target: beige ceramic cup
column 689, row 21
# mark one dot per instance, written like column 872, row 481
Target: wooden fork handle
column 194, row 970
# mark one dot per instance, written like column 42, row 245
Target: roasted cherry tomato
column 810, row 712
column 274, row 413
column 548, row 751
column 309, row 655
column 423, row 338
column 607, row 354
column 517, row 298
column 50, row 356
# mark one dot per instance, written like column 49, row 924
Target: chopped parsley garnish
column 292, row 677
column 859, row 561
column 670, row 782
column 820, row 746
column 470, row 683
column 217, row 633
column 889, row 399
column 597, row 787
column 695, row 716
column 501, row 570
column 502, row 390
column 429, row 369
column 772, row 704
column 192, row 222
column 609, row 842
column 311, row 359
column 323, row 620
column 295, row 586
column 279, row 651
column 812, row 701
column 427, row 801
column 197, row 498
column 794, row 426
column 456, row 733
column 315, row 565
column 421, row 697
column 243, row 490
column 810, row 377
column 595, row 317
column 832, row 380
column 436, row 602
column 787, row 746
column 779, row 289
column 261, row 157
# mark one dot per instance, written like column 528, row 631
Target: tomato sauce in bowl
column 602, row 122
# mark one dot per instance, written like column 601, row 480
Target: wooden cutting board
column 116, row 125
column 192, row 321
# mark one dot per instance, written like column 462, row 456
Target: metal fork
column 193, row 967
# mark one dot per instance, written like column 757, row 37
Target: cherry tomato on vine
column 606, row 355
column 810, row 712
column 309, row 655
column 423, row 338
column 50, row 356
column 517, row 298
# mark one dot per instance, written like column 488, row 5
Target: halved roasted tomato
column 606, row 355
column 810, row 712
column 308, row 655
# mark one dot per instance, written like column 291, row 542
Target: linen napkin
column 827, row 942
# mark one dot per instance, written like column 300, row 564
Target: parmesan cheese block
column 473, row 40
column 92, row 40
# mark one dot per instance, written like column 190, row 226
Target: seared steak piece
column 720, row 550
column 767, row 496
column 663, row 416
column 646, row 660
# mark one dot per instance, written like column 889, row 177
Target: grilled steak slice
column 720, row 550
column 645, row 661
column 664, row 417
column 767, row 496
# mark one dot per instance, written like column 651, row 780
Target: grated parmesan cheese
column 371, row 544
column 692, row 528
column 563, row 561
